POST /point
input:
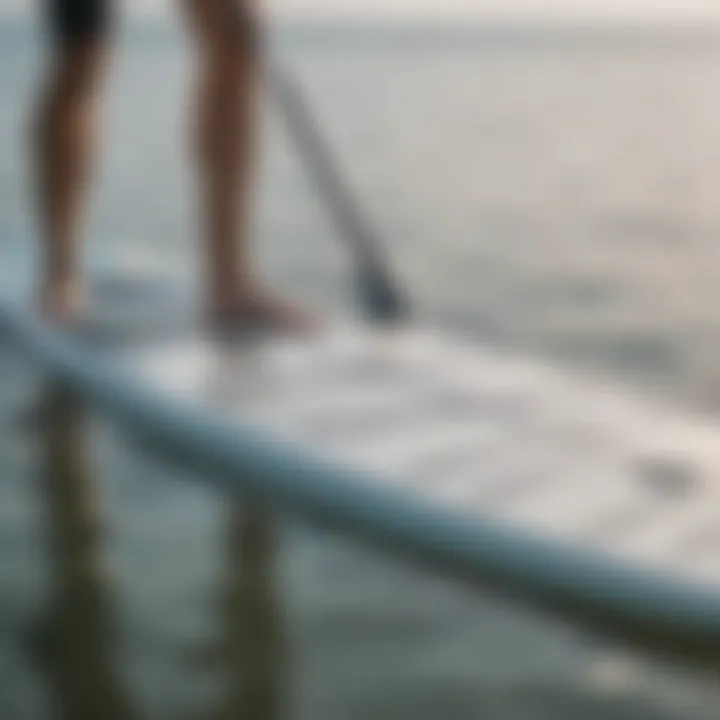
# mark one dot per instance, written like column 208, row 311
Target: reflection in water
column 76, row 647
column 250, row 621
column 76, row 639
column 250, row 617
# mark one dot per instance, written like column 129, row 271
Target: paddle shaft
column 379, row 292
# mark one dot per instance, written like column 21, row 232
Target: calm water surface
column 556, row 199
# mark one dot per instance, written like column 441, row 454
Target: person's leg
column 228, row 42
column 65, row 142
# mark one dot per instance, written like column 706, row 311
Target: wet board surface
column 471, row 431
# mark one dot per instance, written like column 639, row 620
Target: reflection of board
column 490, row 464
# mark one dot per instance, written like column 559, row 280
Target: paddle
column 378, row 291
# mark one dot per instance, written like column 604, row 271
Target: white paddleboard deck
column 471, row 430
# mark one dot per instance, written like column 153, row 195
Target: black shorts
column 79, row 19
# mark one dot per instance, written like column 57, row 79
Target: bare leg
column 65, row 143
column 228, row 42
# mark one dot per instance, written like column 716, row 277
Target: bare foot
column 260, row 310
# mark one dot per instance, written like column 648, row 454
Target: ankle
column 230, row 295
column 60, row 298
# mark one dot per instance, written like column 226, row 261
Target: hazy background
column 479, row 10
column 550, row 191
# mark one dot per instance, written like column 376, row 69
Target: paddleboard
column 488, row 462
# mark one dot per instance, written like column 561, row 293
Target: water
column 555, row 198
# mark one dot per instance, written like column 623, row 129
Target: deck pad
column 471, row 430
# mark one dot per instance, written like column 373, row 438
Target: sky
column 455, row 9
column 519, row 9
